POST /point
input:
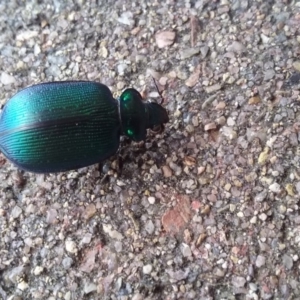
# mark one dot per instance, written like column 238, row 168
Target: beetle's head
column 137, row 116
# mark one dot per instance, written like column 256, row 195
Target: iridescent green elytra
column 60, row 126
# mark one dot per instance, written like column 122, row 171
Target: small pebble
column 275, row 187
column 253, row 220
column 167, row 171
column 240, row 214
column 23, row 285
column 138, row 296
column 213, row 88
column 221, row 121
column 120, row 85
column 186, row 250
column 254, row 100
column 122, row 69
column 221, row 105
column 230, row 122
column 237, row 47
column 38, row 270
column 151, row 200
column 149, row 226
column 253, row 286
column 204, row 51
column 263, row 156
column 260, row 261
column 287, row 261
column 147, row 269
column 86, row 239
column 51, row 216
column 7, row 79
column 89, row 287
column 296, row 65
column 71, row 246
column 89, row 211
column 290, row 189
column 210, row 126
column 238, row 281
column 263, row 217
column 187, row 53
column 114, row 234
column 16, row 212
column 126, row 18
column 68, row 295
column 229, row 132
column 67, row 262
column 118, row 246
column 164, row 38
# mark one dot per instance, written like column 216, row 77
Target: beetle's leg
column 119, row 165
column 104, row 178
column 158, row 129
column 160, row 94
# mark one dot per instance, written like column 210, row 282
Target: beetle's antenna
column 160, row 94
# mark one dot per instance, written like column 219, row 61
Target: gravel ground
column 206, row 210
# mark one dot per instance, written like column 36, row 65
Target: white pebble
column 38, row 270
column 263, row 217
column 151, row 200
column 240, row 214
column 126, row 18
column 16, row 211
column 71, row 246
column 275, row 187
column 229, row 132
column 118, row 246
column 138, row 297
column 147, row 269
column 89, row 287
column 186, row 250
column 295, row 257
column 86, row 238
column 230, row 122
column 253, row 286
column 7, row 79
column 114, row 234
column 67, row 295
column 23, row 285
column 150, row 227
column 260, row 261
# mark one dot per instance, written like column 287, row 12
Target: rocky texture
column 208, row 209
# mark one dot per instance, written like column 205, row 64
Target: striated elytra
column 60, row 126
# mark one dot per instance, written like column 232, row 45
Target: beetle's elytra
column 60, row 126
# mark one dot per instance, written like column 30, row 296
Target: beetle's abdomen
column 60, row 126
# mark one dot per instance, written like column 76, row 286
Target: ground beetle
column 60, row 126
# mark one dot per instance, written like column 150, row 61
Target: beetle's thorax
column 136, row 116
column 133, row 115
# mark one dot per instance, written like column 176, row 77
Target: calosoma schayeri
column 60, row 126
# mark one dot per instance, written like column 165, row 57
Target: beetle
column 60, row 126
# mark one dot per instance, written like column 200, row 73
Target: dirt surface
column 208, row 209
